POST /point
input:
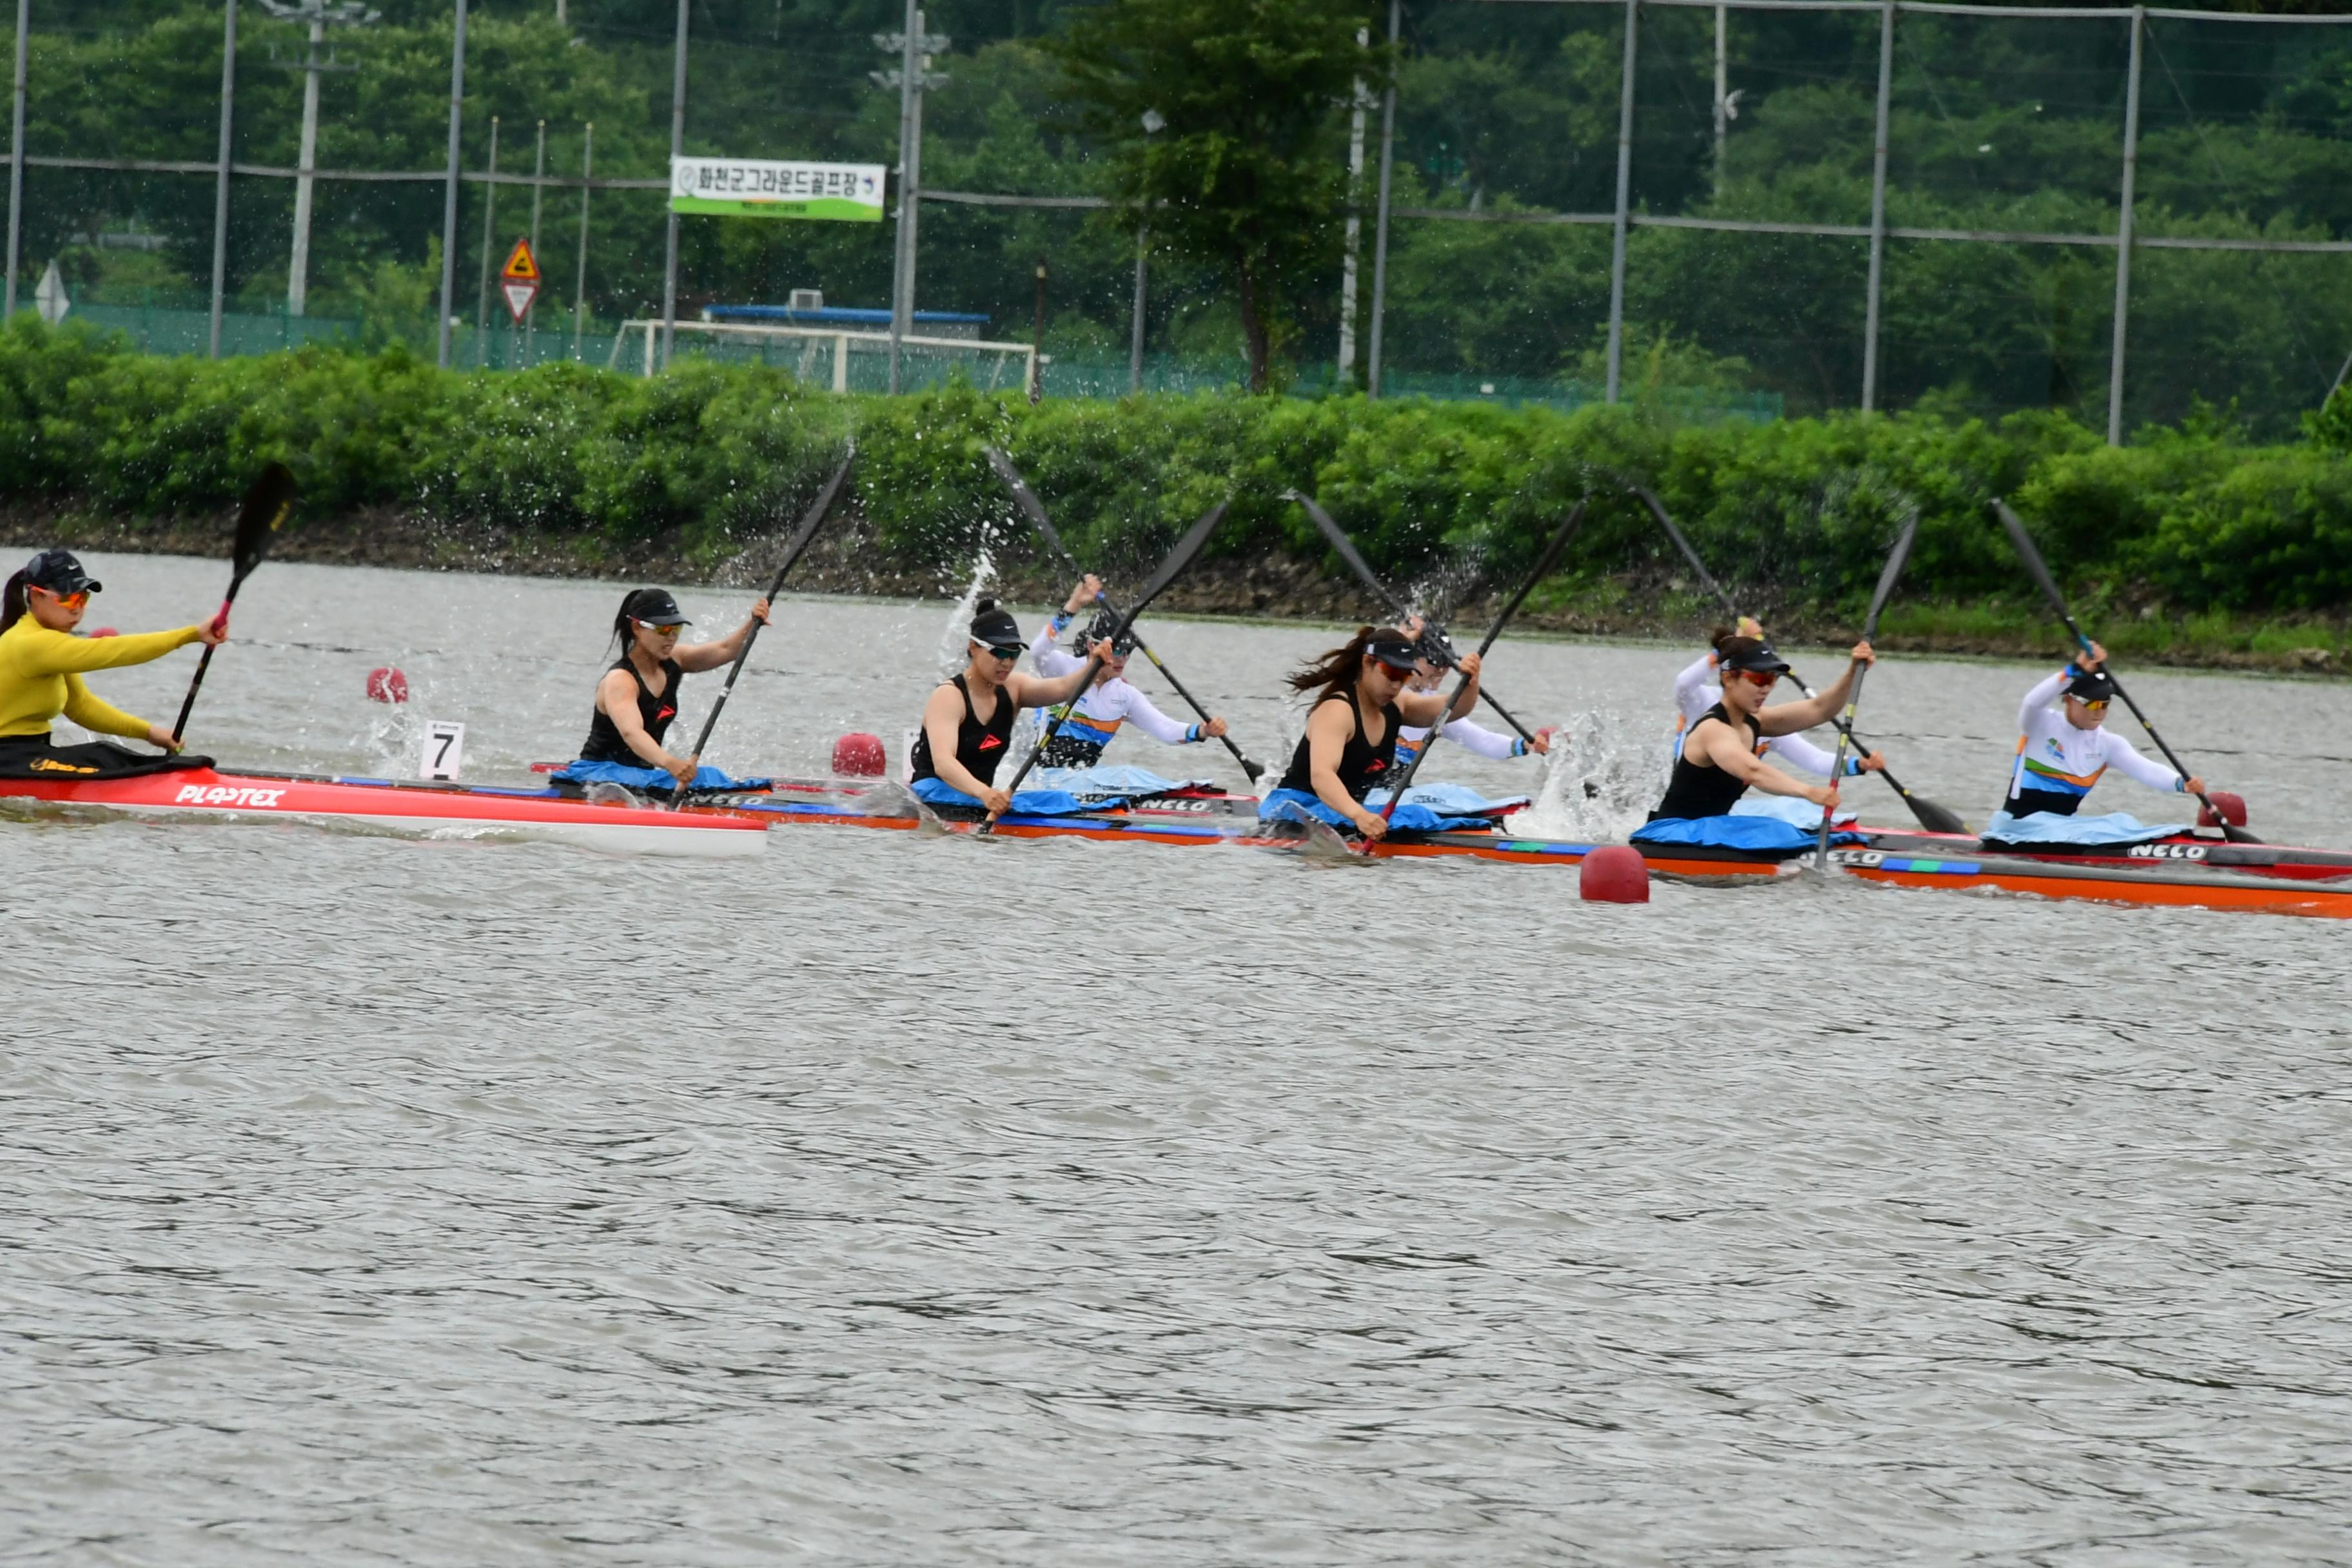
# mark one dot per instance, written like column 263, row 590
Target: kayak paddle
column 1346, row 549
column 265, row 505
column 1886, row 577
column 809, row 519
column 1035, row 511
column 1544, row 566
column 2049, row 586
column 1934, row 818
column 1178, row 559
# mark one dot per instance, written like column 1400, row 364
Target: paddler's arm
column 1805, row 757
column 1693, row 682
column 1329, row 730
column 711, row 655
column 1049, row 690
column 102, row 718
column 942, row 717
column 1160, row 727
column 1721, row 746
column 1789, row 717
column 1422, row 709
column 616, row 694
column 2038, row 701
column 2125, row 758
column 47, row 652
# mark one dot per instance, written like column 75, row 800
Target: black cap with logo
column 60, row 574
column 654, row 607
column 1393, row 649
column 993, row 625
column 2092, row 686
column 1752, row 654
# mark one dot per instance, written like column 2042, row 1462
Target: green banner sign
column 756, row 187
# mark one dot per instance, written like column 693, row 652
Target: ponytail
column 1721, row 635
column 12, row 602
column 620, row 632
column 1337, row 670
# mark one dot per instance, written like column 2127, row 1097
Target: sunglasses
column 69, row 601
column 2098, row 707
column 670, row 630
column 1005, row 651
column 1767, row 679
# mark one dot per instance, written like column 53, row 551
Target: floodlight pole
column 1624, row 202
column 489, row 222
column 538, row 194
column 1135, row 333
column 1350, row 257
column 676, row 150
column 1381, row 216
column 1877, row 210
column 1722, row 84
column 220, row 179
column 17, row 161
column 2124, row 232
column 580, row 286
column 449, row 188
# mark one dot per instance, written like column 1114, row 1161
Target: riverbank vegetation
column 2194, row 543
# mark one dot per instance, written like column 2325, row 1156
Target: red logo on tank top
column 989, row 743
column 667, row 712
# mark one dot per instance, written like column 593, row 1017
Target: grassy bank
column 2191, row 545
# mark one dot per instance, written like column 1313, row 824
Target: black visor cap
column 654, row 608
column 1393, row 649
column 57, row 572
column 1752, row 654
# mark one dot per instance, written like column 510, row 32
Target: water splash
column 957, row 632
column 1605, row 771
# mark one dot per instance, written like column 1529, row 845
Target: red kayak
column 419, row 810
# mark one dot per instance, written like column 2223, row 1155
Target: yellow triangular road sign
column 521, row 265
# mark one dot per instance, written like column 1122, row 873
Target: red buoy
column 2233, row 809
column 858, row 755
column 386, row 684
column 1613, row 873
column 104, row 632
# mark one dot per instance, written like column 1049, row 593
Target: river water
column 889, row 1200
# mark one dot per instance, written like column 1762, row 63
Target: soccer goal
column 828, row 356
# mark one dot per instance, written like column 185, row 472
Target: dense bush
column 1796, row 513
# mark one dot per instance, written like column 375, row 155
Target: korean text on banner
column 753, row 187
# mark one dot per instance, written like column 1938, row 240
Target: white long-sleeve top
column 1471, row 737
column 1104, row 707
column 2055, row 758
column 1696, row 690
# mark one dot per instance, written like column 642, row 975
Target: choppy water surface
column 900, row 1201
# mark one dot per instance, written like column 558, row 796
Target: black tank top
column 605, row 744
column 979, row 747
column 1364, row 766
column 1702, row 789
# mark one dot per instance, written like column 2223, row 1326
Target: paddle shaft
column 816, row 515
column 204, row 662
column 1178, row 559
column 265, row 505
column 1543, row 569
column 1932, row 816
column 1346, row 551
column 1035, row 511
column 2049, row 585
column 1887, row 578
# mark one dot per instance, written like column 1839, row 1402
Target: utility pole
column 579, row 288
column 318, row 14
column 538, row 191
column 914, row 48
column 1037, row 343
column 449, row 191
column 489, row 222
column 1350, row 258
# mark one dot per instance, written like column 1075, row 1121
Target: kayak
column 2153, row 882
column 414, row 809
column 2185, row 850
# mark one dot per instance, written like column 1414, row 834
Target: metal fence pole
column 538, row 193
column 580, row 286
column 1135, row 339
column 449, row 188
column 17, row 161
column 1624, row 202
column 1381, row 216
column 1350, row 255
column 2124, row 233
column 220, row 183
column 676, row 149
column 1877, row 211
column 490, row 219
column 910, row 159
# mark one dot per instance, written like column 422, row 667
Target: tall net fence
column 1671, row 202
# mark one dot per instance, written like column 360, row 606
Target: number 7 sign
column 444, row 750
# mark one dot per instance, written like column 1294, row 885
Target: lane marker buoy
column 386, row 684
column 1613, row 873
column 859, row 756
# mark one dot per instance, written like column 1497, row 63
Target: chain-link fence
column 1726, row 209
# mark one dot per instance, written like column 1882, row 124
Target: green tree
column 1220, row 122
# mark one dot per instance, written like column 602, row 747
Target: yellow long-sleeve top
column 41, row 671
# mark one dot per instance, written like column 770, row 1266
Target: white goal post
column 825, row 353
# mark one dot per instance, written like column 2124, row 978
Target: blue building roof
column 834, row 316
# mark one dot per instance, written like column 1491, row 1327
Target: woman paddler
column 1718, row 760
column 1700, row 686
column 42, row 664
column 1111, row 701
column 2062, row 752
column 1362, row 702
column 637, row 697
column 968, row 722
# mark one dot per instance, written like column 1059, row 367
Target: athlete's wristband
column 1192, row 734
column 1518, row 746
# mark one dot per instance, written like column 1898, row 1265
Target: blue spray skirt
column 2081, row 832
column 1025, row 803
column 1767, row 834
column 650, row 781
column 1297, row 806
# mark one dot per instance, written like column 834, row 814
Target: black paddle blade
column 1934, row 817
column 2032, row 555
column 813, row 517
column 1346, row 550
column 267, row 506
column 1545, row 563
column 1658, row 509
column 1031, row 507
column 1886, row 577
column 1178, row 559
